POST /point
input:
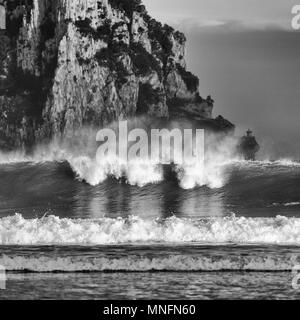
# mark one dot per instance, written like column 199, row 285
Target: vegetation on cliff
column 191, row 81
column 147, row 96
column 129, row 6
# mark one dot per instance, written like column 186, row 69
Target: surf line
column 114, row 310
column 162, row 146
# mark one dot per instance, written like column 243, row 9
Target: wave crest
column 15, row 230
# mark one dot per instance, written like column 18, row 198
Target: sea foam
column 143, row 264
column 15, row 230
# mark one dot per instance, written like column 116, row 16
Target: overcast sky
column 248, row 57
column 250, row 12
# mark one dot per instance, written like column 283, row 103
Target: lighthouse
column 248, row 146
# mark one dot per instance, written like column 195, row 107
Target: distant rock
column 66, row 64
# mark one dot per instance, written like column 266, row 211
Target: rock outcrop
column 69, row 63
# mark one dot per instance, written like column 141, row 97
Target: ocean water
column 70, row 229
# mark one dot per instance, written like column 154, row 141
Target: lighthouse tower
column 248, row 146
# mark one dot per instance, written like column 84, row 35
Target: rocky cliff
column 69, row 63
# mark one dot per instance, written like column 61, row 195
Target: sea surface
column 72, row 230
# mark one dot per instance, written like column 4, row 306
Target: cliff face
column 70, row 63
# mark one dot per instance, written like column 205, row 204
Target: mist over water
column 80, row 150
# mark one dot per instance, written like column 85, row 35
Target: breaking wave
column 139, row 172
column 80, row 153
column 142, row 264
column 15, row 230
column 143, row 172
